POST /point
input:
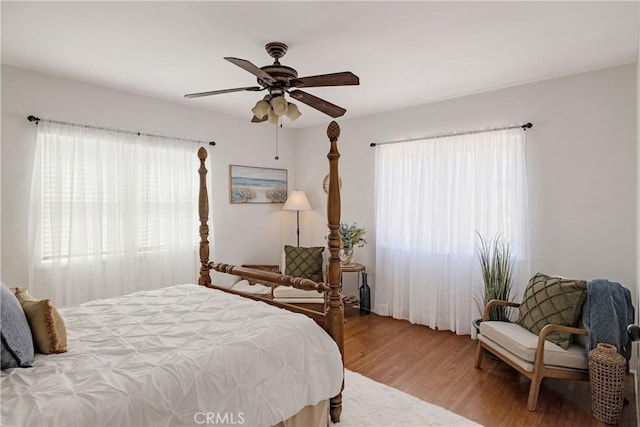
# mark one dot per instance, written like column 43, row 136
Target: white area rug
column 369, row 403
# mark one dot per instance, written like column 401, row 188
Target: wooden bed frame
column 332, row 320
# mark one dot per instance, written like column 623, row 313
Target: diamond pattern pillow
column 304, row 262
column 552, row 300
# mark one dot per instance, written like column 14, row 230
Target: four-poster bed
column 189, row 355
column 332, row 321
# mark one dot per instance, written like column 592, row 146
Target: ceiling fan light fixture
column 261, row 108
column 279, row 105
column 293, row 112
column 279, row 79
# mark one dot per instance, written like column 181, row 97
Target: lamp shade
column 273, row 117
column 297, row 201
column 292, row 112
column 279, row 105
column 260, row 109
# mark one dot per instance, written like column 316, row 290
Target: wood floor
column 438, row 367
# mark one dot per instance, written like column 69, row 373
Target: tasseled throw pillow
column 47, row 326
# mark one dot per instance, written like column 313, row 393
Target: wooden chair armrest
column 560, row 328
column 542, row 337
column 494, row 302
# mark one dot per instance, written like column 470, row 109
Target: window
column 432, row 196
column 111, row 203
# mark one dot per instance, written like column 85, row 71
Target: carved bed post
column 203, row 211
column 335, row 311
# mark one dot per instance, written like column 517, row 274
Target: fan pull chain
column 279, row 124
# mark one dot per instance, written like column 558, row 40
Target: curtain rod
column 443, row 135
column 36, row 120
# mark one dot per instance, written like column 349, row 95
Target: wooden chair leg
column 534, row 389
column 479, row 353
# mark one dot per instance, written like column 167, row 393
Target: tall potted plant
column 497, row 265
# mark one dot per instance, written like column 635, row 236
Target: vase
column 347, row 256
column 607, row 370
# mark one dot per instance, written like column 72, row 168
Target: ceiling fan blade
column 218, row 92
column 248, row 66
column 318, row 103
column 257, row 120
column 346, row 78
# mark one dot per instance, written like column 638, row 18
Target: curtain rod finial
column 33, row 119
column 373, row 144
column 527, row 126
column 212, row 143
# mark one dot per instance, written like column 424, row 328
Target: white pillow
column 257, row 289
column 224, row 280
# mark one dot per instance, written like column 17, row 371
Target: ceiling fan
column 279, row 79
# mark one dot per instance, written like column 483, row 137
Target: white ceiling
column 405, row 53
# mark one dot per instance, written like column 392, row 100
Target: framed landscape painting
column 248, row 184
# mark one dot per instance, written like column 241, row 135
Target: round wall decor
column 325, row 183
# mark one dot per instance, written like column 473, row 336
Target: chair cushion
column 17, row 343
column 289, row 292
column 522, row 343
column 304, row 262
column 555, row 300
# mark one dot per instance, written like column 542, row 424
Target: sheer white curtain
column 432, row 196
column 110, row 213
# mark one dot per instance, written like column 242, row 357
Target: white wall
column 580, row 157
column 581, row 164
column 247, row 233
column 637, row 345
column 0, row 177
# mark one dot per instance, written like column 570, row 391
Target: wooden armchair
column 530, row 354
column 309, row 263
column 303, row 298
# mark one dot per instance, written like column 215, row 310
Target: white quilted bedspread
column 176, row 356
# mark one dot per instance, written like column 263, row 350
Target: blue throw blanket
column 606, row 314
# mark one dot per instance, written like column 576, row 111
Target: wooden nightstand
column 351, row 300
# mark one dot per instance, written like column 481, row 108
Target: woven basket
column 606, row 377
